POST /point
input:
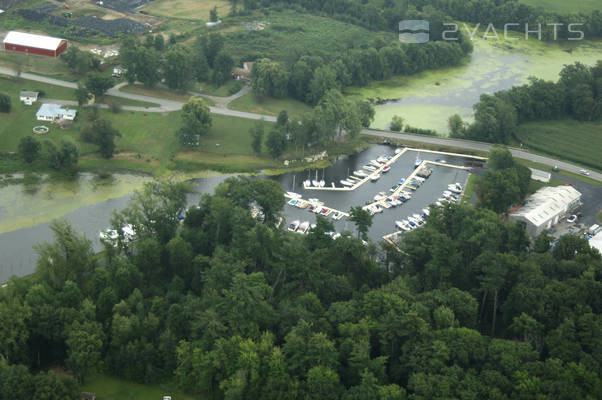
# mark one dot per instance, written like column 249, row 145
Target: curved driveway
column 171, row 105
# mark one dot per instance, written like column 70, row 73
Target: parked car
column 584, row 172
column 571, row 219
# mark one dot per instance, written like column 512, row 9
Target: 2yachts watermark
column 418, row 31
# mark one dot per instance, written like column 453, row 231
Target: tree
column 196, row 121
column 29, row 149
column 178, row 69
column 213, row 17
column 147, row 66
column 200, row 66
column 63, row 158
column 84, row 344
column 396, row 124
column 4, row 103
column 324, row 79
column 269, row 197
column 456, row 126
column 222, row 68
column 101, row 132
column 276, row 143
column 159, row 43
column 495, row 120
column 98, row 84
column 269, row 78
column 282, row 119
column 82, row 94
column 256, row 133
column 362, row 220
column 366, row 113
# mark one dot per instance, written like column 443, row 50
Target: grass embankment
column 46, row 66
column 562, row 6
column 186, row 9
column 270, row 106
column 109, row 388
column 576, row 141
column 227, row 89
column 470, row 189
column 564, row 173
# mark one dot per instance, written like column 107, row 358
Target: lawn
column 225, row 90
column 579, row 142
column 470, row 189
column 187, row 9
column 269, row 105
column 109, row 388
column 36, row 64
column 562, row 6
column 156, row 92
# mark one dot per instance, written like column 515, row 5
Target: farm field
column 109, row 388
column 565, row 6
column 270, row 106
column 571, row 140
column 187, row 9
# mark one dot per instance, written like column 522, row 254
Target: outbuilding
column 54, row 113
column 29, row 43
column 545, row 207
column 27, row 97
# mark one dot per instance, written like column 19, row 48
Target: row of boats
column 382, row 200
column 313, row 205
column 371, row 170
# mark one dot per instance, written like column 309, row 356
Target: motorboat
column 426, row 211
column 375, row 177
column 402, row 180
column 360, row 173
column 376, row 163
column 293, row 226
column 318, row 209
column 369, row 167
column 336, row 236
column 380, row 196
column 315, row 201
column 419, row 179
column 418, row 217
column 403, row 225
column 386, row 204
column 386, row 168
column 301, row 203
column 292, row 202
column 398, row 150
column 394, row 188
column 294, row 195
column 382, row 159
column 346, row 182
column 303, row 227
column 109, row 235
column 325, row 211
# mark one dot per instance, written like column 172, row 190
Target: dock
column 330, row 210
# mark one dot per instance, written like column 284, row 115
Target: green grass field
column 109, row 388
column 187, row 9
column 269, row 105
column 579, row 142
column 574, row 6
column 156, row 92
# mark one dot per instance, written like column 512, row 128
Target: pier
column 330, row 210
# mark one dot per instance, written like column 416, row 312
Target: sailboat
column 315, row 181
column 418, row 161
column 307, row 182
column 322, row 183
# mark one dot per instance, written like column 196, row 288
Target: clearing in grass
column 579, row 142
column 270, row 106
column 109, row 388
column 187, row 9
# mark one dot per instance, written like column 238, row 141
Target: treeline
column 386, row 14
column 232, row 308
column 577, row 94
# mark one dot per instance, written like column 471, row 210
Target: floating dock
column 330, row 210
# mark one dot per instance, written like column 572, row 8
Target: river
column 18, row 256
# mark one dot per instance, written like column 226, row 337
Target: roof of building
column 31, row 40
column 27, row 93
column 596, row 242
column 540, row 175
column 242, row 72
column 249, row 65
column 53, row 110
column 546, row 203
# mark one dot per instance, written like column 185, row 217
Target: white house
column 545, row 207
column 27, row 97
column 54, row 112
column 118, row 70
column 212, row 24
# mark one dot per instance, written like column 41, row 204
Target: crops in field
column 580, row 142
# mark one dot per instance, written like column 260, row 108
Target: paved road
column 473, row 145
column 170, row 105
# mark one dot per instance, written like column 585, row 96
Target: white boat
column 398, row 150
column 418, row 217
column 386, row 169
column 426, row 211
column 315, row 201
column 303, row 227
column 109, row 235
column 360, row 173
column 322, row 183
column 346, row 182
column 336, row 235
column 403, row 225
column 419, row 179
column 382, row 159
column 315, row 183
column 293, row 226
column 369, row 167
column 294, row 195
column 418, row 161
column 386, row 204
column 279, row 222
column 307, row 183
column 318, row 210
column 380, row 196
column 374, row 177
column 376, row 163
column 374, row 209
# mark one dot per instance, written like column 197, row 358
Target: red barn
column 34, row 44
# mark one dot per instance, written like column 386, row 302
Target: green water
column 426, row 100
column 33, row 200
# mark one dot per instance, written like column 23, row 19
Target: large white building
column 545, row 207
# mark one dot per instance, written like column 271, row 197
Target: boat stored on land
column 293, row 226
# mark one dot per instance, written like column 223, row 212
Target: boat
column 336, row 236
column 322, row 182
column 301, row 203
column 109, row 235
column 315, row 183
column 369, row 167
column 380, row 196
column 325, row 211
column 294, row 195
column 346, row 182
column 311, row 208
column 382, row 159
column 403, row 225
column 398, row 150
column 426, row 211
column 418, row 161
column 374, row 209
column 385, row 204
column 292, row 202
column 279, row 222
column 312, row 226
column 303, row 227
column 374, row 177
column 360, row 173
column 418, row 217
column 376, row 163
column 386, row 168
column 307, row 183
column 318, row 209
column 419, row 179
column 402, row 180
column 293, row 226
column 337, row 215
column 315, row 201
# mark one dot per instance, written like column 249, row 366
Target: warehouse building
column 29, row 43
column 545, row 207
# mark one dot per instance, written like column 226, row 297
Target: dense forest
column 577, row 94
column 228, row 307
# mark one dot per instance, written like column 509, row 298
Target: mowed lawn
column 580, row 142
column 188, row 9
column 109, row 388
column 270, row 106
column 564, row 6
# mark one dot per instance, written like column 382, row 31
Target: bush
column 235, row 88
column 5, row 103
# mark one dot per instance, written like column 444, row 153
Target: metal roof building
column 34, row 44
column 54, row 112
column 545, row 207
